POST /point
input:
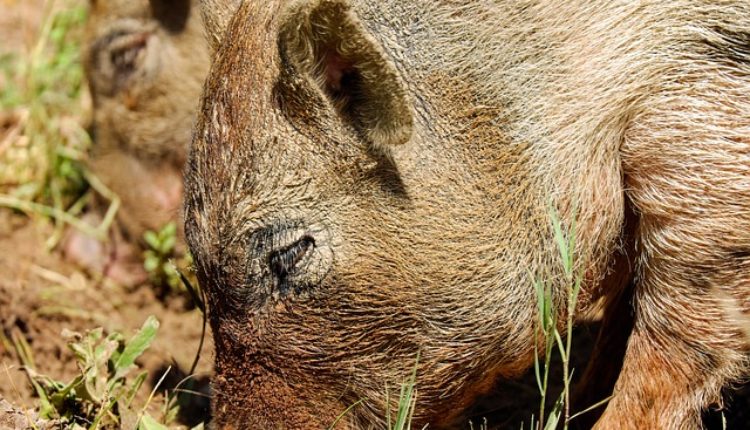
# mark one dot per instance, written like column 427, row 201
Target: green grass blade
column 406, row 401
column 388, row 406
column 346, row 411
column 135, row 347
column 561, row 346
column 537, row 371
column 135, row 386
column 562, row 241
column 591, row 408
column 554, row 416
column 148, row 423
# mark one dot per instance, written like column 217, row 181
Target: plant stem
column 55, row 213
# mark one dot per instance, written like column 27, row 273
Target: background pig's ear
column 326, row 41
column 216, row 15
column 171, row 14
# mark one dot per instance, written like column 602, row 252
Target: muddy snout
column 289, row 258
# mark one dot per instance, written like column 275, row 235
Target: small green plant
column 102, row 395
column 158, row 258
column 548, row 329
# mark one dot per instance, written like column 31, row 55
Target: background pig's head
column 145, row 61
column 355, row 197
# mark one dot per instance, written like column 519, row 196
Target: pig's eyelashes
column 326, row 42
column 286, row 260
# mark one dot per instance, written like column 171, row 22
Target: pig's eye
column 327, row 43
column 120, row 54
column 286, row 260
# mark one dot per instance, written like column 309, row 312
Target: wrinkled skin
column 145, row 62
column 369, row 183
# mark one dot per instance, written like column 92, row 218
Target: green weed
column 44, row 90
column 407, row 402
column 103, row 393
column 161, row 261
column 554, row 340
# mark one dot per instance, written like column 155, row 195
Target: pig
column 145, row 62
column 371, row 187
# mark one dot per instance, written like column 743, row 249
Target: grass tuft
column 548, row 329
column 43, row 106
column 407, row 402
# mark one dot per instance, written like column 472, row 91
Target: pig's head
column 125, row 42
column 355, row 201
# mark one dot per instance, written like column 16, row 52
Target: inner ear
column 337, row 72
column 325, row 41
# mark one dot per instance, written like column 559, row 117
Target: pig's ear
column 325, row 40
column 171, row 14
column 216, row 15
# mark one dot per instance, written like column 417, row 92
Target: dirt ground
column 41, row 295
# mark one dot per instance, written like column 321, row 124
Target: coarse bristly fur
column 631, row 119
